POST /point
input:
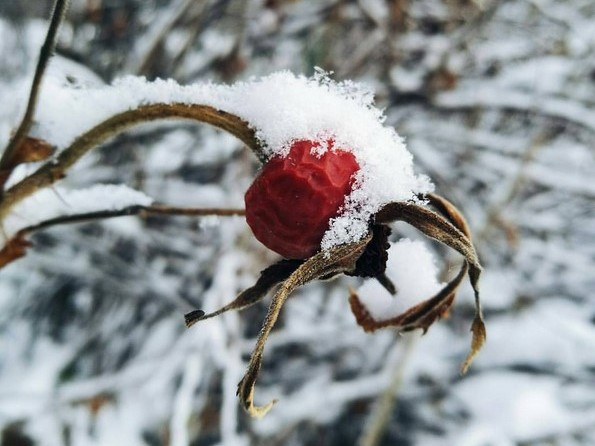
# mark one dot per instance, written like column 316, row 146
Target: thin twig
column 7, row 161
column 140, row 210
column 53, row 171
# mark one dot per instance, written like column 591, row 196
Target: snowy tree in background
column 495, row 100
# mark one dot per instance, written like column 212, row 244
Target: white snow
column 282, row 107
column 412, row 269
column 521, row 406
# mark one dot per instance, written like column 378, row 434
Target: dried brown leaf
column 32, row 150
column 421, row 315
column 14, row 249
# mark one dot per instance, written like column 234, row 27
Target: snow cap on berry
column 320, row 109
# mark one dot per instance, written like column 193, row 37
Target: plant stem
column 130, row 211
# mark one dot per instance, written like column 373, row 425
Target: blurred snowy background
column 496, row 100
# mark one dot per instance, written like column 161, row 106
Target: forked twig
column 7, row 161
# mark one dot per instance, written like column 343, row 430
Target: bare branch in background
column 10, row 157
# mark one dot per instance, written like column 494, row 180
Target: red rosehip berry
column 290, row 202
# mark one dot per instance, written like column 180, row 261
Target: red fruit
column 290, row 202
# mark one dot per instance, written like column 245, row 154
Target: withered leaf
column 32, row 150
column 14, row 249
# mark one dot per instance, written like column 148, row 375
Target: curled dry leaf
column 451, row 229
column 33, row 149
column 14, row 249
column 29, row 150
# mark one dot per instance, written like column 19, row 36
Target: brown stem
column 157, row 209
column 53, row 171
column 16, row 246
column 7, row 162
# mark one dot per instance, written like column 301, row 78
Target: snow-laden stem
column 55, row 170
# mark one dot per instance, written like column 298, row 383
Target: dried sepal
column 434, row 226
column 372, row 262
column 269, row 278
column 452, row 230
column 478, row 328
column 479, row 334
column 420, row 316
column 450, row 211
column 324, row 264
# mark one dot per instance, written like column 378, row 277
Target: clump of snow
column 281, row 108
column 55, row 202
column 413, row 270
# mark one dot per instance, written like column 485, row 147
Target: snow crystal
column 56, row 202
column 412, row 269
column 281, row 108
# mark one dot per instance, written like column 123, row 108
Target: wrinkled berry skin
column 290, row 202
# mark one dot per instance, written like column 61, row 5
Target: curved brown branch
column 51, row 172
column 9, row 157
